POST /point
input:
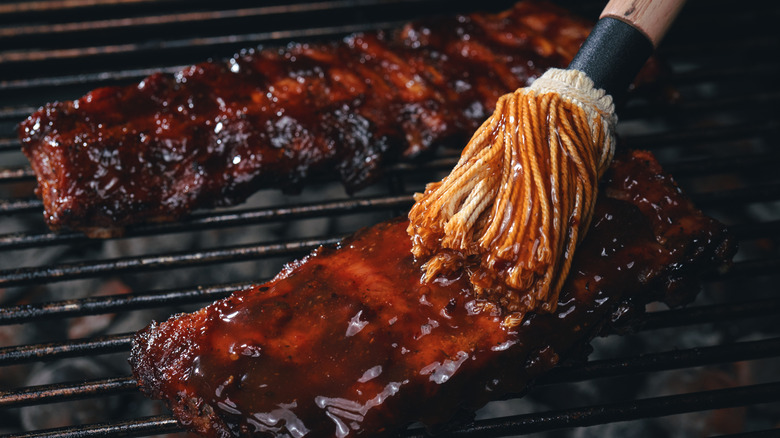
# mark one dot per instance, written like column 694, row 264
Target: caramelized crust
column 348, row 341
column 216, row 132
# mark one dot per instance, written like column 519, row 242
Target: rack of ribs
column 216, row 132
column 348, row 341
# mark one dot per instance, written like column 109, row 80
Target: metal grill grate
column 65, row 299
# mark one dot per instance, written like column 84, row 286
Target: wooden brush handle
column 651, row 17
column 621, row 41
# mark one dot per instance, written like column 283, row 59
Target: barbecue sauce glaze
column 215, row 132
column 348, row 341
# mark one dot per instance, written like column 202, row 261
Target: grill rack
column 719, row 140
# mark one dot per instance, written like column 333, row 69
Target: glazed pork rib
column 348, row 341
column 217, row 132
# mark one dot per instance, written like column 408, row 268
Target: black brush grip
column 612, row 55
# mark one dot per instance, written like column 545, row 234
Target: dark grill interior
column 68, row 305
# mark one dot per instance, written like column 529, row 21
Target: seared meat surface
column 348, row 341
column 216, row 132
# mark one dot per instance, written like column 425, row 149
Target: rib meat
column 347, row 341
column 216, row 132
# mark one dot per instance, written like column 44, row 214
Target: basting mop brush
column 521, row 196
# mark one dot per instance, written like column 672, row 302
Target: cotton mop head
column 521, row 196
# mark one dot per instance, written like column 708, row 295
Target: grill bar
column 57, row 350
column 753, row 268
column 529, row 423
column 662, row 319
column 63, row 272
column 721, row 73
column 9, row 144
column 654, row 362
column 14, row 175
column 190, row 18
column 749, row 100
column 140, row 427
column 755, row 193
column 620, row 411
column 224, row 219
column 740, row 103
column 709, row 314
column 20, row 206
column 365, row 204
column 678, row 168
column 65, row 392
column 71, row 271
column 713, row 135
column 226, row 28
column 116, row 303
column 770, row 433
column 125, row 302
column 756, row 230
column 58, row 5
column 726, row 73
column 591, row 370
column 16, row 114
column 93, row 79
column 87, row 54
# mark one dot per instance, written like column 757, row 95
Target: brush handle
column 651, row 17
column 622, row 40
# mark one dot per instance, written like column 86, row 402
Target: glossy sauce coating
column 216, row 132
column 349, row 342
column 522, row 194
